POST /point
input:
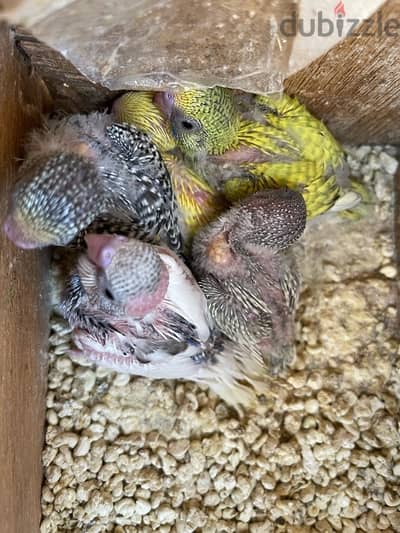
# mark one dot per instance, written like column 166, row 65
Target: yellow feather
column 198, row 202
column 137, row 108
column 273, row 141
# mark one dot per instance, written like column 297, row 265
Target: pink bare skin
column 164, row 100
column 240, row 155
column 102, row 249
column 17, row 235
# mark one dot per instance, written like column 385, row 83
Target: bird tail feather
column 235, row 377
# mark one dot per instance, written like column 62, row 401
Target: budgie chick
column 87, row 167
column 198, row 202
column 270, row 142
column 249, row 275
column 137, row 308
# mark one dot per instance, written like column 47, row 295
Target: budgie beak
column 164, row 100
column 102, row 248
column 16, row 235
column 23, row 236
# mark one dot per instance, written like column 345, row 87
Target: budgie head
column 269, row 220
column 127, row 273
column 54, row 198
column 138, row 108
column 203, row 122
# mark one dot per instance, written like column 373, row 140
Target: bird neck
column 225, row 138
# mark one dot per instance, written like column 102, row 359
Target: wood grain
column 70, row 90
column 23, row 315
column 397, row 244
column 9, row 4
column 355, row 86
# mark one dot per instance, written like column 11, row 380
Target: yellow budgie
column 259, row 142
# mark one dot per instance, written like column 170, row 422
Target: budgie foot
column 360, row 208
column 349, row 200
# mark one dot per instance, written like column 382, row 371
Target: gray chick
column 85, row 168
column 250, row 278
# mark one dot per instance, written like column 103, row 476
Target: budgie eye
column 108, row 294
column 188, row 125
column 104, row 287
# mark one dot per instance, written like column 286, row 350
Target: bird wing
column 185, row 298
column 290, row 284
column 76, row 308
column 275, row 144
column 237, row 310
column 144, row 184
column 139, row 357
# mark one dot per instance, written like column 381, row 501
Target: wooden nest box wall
column 354, row 87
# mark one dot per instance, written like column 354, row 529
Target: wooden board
column 70, row 90
column 23, row 316
column 355, row 86
column 397, row 242
column 355, row 89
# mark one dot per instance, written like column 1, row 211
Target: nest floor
column 322, row 452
